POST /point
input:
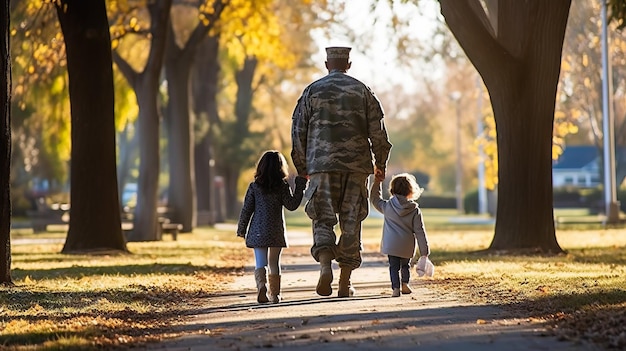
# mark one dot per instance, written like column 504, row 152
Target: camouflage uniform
column 337, row 126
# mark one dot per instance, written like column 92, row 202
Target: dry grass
column 63, row 302
column 578, row 295
column 67, row 302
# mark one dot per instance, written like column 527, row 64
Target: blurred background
column 248, row 71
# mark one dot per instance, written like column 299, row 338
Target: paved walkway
column 423, row 320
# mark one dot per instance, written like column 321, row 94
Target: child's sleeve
column 246, row 212
column 292, row 201
column 376, row 196
column 420, row 233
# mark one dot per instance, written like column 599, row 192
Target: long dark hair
column 271, row 170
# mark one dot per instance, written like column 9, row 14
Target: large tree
column 145, row 83
column 5, row 149
column 204, row 88
column 516, row 47
column 95, row 222
column 181, row 145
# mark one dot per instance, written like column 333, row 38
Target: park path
column 423, row 320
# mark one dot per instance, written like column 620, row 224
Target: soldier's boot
column 260, row 276
column 324, row 287
column 345, row 286
column 274, row 292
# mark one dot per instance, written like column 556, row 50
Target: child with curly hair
column 403, row 226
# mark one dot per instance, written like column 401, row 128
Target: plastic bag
column 424, row 267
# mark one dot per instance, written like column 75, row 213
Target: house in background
column 577, row 166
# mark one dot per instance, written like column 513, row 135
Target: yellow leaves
column 58, row 85
column 622, row 45
column 253, row 29
column 585, row 60
column 19, row 89
column 134, row 24
column 563, row 126
column 557, row 150
column 593, row 43
column 35, row 309
column 565, row 65
column 204, row 19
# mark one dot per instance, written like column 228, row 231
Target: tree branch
column 201, row 30
column 159, row 18
column 138, row 32
column 471, row 27
column 128, row 72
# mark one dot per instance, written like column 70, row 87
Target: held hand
column 379, row 174
column 301, row 182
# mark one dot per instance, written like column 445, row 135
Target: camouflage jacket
column 337, row 126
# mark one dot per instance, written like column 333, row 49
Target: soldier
column 337, row 126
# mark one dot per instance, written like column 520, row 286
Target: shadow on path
column 423, row 320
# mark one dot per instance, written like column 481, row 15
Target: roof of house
column 576, row 157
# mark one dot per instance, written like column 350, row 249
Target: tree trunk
column 524, row 217
column 145, row 221
column 180, row 141
column 182, row 192
column 146, row 87
column 519, row 57
column 95, row 222
column 243, row 108
column 5, row 150
column 127, row 154
column 205, row 88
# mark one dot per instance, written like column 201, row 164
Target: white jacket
column 403, row 225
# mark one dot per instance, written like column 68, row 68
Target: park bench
column 44, row 216
column 167, row 227
column 171, row 229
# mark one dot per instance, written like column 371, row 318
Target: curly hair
column 271, row 170
column 405, row 184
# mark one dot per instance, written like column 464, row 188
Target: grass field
column 65, row 302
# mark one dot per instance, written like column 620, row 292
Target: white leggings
column 265, row 255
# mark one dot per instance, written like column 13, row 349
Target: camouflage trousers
column 338, row 198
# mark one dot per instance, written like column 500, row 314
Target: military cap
column 338, row 52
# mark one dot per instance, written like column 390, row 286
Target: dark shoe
column 345, row 286
column 324, row 287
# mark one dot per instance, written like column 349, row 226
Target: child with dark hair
column 403, row 226
column 263, row 211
